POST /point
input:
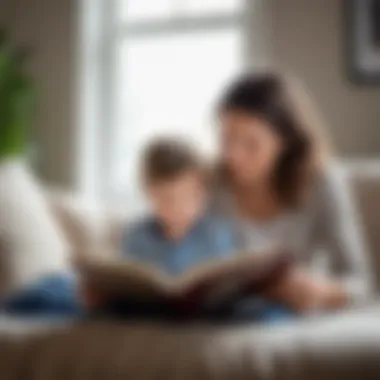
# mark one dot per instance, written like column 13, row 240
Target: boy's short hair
column 167, row 158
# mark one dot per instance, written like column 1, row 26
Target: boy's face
column 179, row 201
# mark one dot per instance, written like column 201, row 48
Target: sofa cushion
column 87, row 224
column 83, row 223
column 31, row 243
column 343, row 346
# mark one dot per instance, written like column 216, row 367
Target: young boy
column 179, row 233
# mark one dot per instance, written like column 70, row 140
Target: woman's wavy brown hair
column 285, row 105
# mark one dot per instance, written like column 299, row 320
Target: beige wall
column 305, row 37
column 307, row 40
column 48, row 27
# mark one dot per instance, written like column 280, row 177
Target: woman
column 278, row 187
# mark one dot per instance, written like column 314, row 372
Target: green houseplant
column 16, row 101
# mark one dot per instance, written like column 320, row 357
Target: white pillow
column 31, row 243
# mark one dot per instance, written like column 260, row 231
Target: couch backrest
column 93, row 226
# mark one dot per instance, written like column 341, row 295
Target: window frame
column 99, row 60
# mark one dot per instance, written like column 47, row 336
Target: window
column 164, row 64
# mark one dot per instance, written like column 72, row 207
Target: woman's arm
column 340, row 233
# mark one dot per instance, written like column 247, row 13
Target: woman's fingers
column 306, row 293
column 299, row 291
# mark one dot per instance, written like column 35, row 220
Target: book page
column 240, row 267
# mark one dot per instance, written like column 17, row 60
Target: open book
column 213, row 283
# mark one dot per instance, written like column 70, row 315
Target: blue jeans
column 52, row 296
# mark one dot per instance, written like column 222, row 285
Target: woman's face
column 249, row 147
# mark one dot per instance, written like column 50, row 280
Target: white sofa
column 342, row 346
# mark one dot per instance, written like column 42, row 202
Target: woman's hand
column 304, row 293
